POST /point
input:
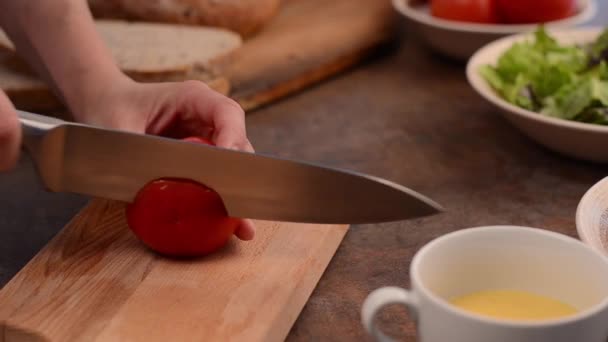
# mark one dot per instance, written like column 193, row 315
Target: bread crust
column 243, row 16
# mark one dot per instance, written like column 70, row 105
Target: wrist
column 91, row 92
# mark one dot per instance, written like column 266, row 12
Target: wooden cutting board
column 95, row 282
column 309, row 40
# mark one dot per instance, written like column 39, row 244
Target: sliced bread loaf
column 157, row 49
column 242, row 16
column 147, row 52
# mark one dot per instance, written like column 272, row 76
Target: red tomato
column 180, row 217
column 535, row 11
column 479, row 11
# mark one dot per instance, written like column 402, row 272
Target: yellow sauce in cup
column 513, row 305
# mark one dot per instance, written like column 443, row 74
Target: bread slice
column 157, row 49
column 147, row 52
column 23, row 88
column 243, row 16
column 27, row 92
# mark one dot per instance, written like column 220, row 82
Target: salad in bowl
column 552, row 84
column 566, row 81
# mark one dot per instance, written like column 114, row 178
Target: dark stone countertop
column 408, row 116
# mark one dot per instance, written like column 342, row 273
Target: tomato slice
column 479, row 11
column 180, row 217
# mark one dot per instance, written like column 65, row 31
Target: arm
column 59, row 39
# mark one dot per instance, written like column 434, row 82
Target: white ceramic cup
column 500, row 257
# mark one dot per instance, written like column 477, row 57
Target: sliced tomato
column 479, row 11
column 535, row 11
column 180, row 217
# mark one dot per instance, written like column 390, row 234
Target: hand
column 10, row 134
column 175, row 110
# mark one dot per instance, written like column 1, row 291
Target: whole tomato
column 479, row 11
column 180, row 217
column 535, row 11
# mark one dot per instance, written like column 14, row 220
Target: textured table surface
column 408, row 116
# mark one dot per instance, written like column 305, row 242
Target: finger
column 10, row 134
column 181, row 129
column 229, row 124
column 225, row 116
column 246, row 230
column 201, row 111
column 247, row 147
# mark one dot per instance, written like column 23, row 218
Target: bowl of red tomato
column 458, row 28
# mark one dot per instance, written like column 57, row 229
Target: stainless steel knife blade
column 114, row 164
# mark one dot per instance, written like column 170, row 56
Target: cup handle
column 380, row 298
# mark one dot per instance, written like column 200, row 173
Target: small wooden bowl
column 592, row 217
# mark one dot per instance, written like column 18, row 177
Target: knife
column 112, row 164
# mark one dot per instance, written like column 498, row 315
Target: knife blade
column 112, row 164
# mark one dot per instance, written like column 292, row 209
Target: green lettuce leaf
column 596, row 115
column 554, row 79
column 572, row 99
column 598, row 50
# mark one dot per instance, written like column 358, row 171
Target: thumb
column 10, row 134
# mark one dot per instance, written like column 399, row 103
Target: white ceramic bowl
column 460, row 40
column 575, row 139
column 592, row 217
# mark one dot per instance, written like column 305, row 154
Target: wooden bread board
column 308, row 41
column 96, row 282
